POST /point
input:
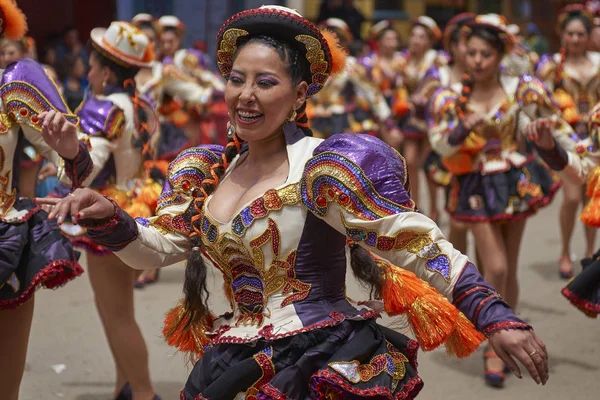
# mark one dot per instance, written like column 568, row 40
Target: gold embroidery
column 6, row 199
column 228, row 48
column 5, row 123
column 248, row 282
column 318, row 65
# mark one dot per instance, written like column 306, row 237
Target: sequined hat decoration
column 321, row 49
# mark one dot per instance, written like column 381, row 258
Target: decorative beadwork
column 416, row 243
column 248, row 281
column 23, row 103
column 114, row 125
column 330, row 177
column 391, row 362
column 7, row 199
column 272, row 200
column 6, row 123
column 227, row 49
column 532, row 91
column 264, row 359
column 318, row 65
column 191, row 166
column 525, row 187
column 167, row 223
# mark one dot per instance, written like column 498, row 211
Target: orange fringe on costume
column 14, row 25
column 187, row 339
column 432, row 318
column 591, row 212
column 338, row 55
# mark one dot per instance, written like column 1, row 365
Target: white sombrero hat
column 123, row 43
column 171, row 21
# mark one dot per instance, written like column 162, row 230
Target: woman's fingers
column 56, row 123
column 534, row 367
column 51, row 201
column 508, row 360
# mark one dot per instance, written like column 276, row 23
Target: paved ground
column 66, row 330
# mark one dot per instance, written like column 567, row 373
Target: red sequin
column 35, row 119
column 23, row 112
column 257, row 208
column 331, row 193
column 580, row 148
column 321, row 201
column 185, row 185
column 385, row 243
column 344, row 199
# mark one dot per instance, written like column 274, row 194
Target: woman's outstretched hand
column 524, row 346
column 81, row 204
column 59, row 134
column 540, row 133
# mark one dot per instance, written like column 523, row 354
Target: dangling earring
column 292, row 118
column 230, row 129
column 103, row 84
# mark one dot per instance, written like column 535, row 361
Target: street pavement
column 69, row 358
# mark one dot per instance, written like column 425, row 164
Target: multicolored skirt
column 504, row 196
column 435, row 171
column 352, row 360
column 583, row 291
column 33, row 253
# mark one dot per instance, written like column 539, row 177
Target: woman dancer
column 578, row 164
column 120, row 127
column 33, row 253
column 349, row 102
column 574, row 77
column 448, row 76
column 290, row 202
column 495, row 184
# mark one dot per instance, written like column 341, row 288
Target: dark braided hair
column 126, row 80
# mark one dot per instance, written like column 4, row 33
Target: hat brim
column 278, row 24
column 97, row 35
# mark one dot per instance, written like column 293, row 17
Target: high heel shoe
column 125, row 393
column 149, row 281
column 493, row 378
column 565, row 273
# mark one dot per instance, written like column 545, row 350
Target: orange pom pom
column 14, row 23
column 120, row 197
column 338, row 55
column 138, row 209
column 149, row 194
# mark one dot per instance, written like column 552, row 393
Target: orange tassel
column 432, row 318
column 465, row 339
column 190, row 339
column 14, row 24
column 590, row 215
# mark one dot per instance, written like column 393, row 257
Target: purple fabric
column 381, row 165
column 458, row 135
column 482, row 305
column 31, row 72
column 93, row 115
column 115, row 233
column 556, row 158
column 321, row 262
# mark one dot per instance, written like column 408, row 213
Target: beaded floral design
column 330, row 177
column 416, row 243
column 391, row 363
column 248, row 281
column 227, row 49
column 318, row 66
column 23, row 103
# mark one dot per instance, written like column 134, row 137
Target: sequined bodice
column 283, row 268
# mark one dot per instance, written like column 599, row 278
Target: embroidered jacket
column 26, row 91
column 283, row 256
column 493, row 147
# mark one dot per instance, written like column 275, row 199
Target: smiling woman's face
column 259, row 94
